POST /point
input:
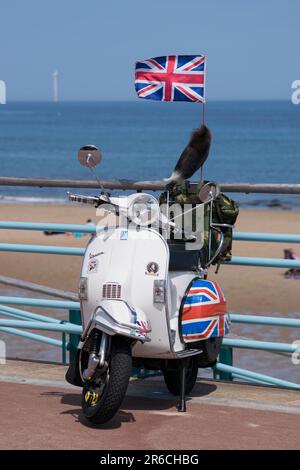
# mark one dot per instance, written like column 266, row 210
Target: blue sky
column 252, row 47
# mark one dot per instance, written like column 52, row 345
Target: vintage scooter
column 145, row 300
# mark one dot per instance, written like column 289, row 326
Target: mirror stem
column 98, row 181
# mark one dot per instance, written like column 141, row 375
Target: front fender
column 117, row 317
column 73, row 376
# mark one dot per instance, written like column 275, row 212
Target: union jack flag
column 204, row 312
column 171, row 78
column 144, row 326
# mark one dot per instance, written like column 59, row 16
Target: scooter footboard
column 203, row 312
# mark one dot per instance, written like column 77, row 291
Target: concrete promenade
column 39, row 410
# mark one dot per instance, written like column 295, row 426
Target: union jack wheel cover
column 203, row 312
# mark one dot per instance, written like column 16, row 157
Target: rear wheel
column 210, row 351
column 173, row 379
column 101, row 400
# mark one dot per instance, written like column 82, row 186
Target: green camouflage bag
column 224, row 211
column 182, row 193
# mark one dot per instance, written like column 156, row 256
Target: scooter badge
column 152, row 269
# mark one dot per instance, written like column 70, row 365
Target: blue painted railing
column 91, row 228
column 65, row 250
column 32, row 302
column 266, row 237
column 45, row 226
column 255, row 376
column 45, row 249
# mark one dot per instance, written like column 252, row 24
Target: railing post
column 64, row 349
column 74, row 317
column 225, row 357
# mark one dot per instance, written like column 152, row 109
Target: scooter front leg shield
column 117, row 317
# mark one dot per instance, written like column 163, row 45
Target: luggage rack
column 181, row 258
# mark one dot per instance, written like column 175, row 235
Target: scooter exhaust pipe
column 96, row 359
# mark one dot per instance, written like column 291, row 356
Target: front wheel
column 101, row 401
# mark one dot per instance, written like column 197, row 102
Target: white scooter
column 145, row 300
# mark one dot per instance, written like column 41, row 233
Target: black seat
column 186, row 260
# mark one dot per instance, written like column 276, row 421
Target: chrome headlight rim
column 144, row 210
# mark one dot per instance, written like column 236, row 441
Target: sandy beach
column 248, row 289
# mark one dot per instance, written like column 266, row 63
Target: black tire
column 210, row 351
column 109, row 399
column 172, row 375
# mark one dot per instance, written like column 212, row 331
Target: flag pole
column 203, row 121
column 203, row 102
column 203, row 118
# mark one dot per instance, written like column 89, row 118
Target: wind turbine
column 2, row 92
column 55, row 86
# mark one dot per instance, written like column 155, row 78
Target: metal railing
column 124, row 184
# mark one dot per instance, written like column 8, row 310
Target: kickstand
column 181, row 402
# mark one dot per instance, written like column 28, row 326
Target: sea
column 253, row 141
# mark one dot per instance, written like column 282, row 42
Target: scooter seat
column 186, row 260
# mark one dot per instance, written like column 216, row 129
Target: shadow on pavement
column 202, row 389
column 161, row 400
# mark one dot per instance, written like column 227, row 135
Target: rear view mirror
column 89, row 156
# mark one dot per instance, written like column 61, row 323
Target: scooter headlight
column 144, row 210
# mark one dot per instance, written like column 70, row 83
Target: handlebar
column 93, row 200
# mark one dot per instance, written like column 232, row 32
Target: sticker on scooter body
column 124, row 235
column 152, row 269
column 93, row 255
column 92, row 266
